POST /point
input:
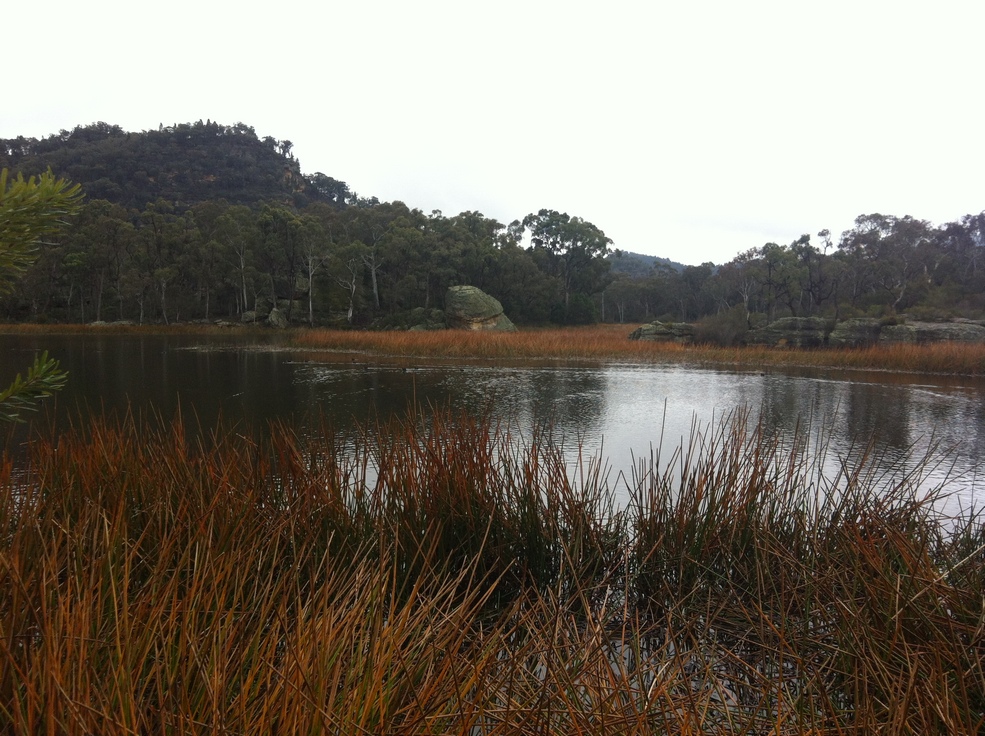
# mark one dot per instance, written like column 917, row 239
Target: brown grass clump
column 441, row 576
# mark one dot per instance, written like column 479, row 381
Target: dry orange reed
column 466, row 586
column 610, row 342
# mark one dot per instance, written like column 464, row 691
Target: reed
column 610, row 343
column 437, row 574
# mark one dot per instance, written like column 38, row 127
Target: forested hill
column 639, row 265
column 184, row 164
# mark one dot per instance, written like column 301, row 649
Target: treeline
column 205, row 221
column 884, row 266
column 320, row 264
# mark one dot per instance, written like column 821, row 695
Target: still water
column 613, row 411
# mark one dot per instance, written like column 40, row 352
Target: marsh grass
column 611, row 343
column 150, row 584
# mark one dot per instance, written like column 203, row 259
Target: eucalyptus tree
column 282, row 255
column 889, row 259
column 315, row 250
column 239, row 239
column 346, row 268
column 570, row 248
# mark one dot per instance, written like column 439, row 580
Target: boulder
column 664, row 332
column 855, row 333
column 799, row 332
column 922, row 332
column 470, row 308
column 277, row 319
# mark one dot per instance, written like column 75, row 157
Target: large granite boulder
column 922, row 332
column 855, row 333
column 470, row 308
column 277, row 319
column 664, row 332
column 798, row 332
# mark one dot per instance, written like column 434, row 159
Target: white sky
column 690, row 130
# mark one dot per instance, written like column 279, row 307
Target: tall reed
column 437, row 574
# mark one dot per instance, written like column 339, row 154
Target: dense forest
column 203, row 221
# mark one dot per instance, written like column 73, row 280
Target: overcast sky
column 690, row 130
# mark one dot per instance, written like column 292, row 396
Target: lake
column 617, row 411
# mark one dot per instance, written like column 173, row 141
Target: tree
column 346, row 268
column 314, row 250
column 573, row 250
column 282, row 255
column 29, row 210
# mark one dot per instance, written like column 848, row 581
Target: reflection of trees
column 570, row 401
column 573, row 402
column 873, row 411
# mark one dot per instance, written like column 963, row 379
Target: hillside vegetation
column 203, row 221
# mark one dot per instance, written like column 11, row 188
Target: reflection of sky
column 624, row 412
column 618, row 411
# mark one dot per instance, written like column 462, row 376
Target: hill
column 639, row 265
column 184, row 164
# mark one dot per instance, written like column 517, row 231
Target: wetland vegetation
column 151, row 583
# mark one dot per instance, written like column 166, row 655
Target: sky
column 688, row 130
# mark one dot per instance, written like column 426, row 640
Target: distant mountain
column 639, row 265
column 184, row 164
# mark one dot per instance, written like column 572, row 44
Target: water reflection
column 620, row 411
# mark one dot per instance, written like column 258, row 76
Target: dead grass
column 149, row 585
column 610, row 342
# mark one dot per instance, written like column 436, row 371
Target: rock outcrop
column 862, row 331
column 470, row 308
column 664, row 332
column 922, row 332
column 799, row 332
column 855, row 333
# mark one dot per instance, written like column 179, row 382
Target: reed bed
column 437, row 575
column 610, row 342
column 595, row 343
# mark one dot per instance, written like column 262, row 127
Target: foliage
column 43, row 380
column 30, row 210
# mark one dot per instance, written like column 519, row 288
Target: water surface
column 619, row 411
